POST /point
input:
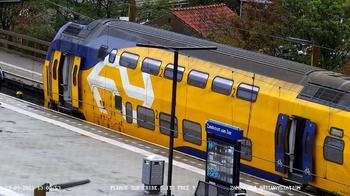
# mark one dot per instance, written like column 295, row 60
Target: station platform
column 43, row 146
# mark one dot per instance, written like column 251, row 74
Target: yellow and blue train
column 295, row 117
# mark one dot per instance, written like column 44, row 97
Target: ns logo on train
column 95, row 80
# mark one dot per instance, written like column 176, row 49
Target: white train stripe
column 125, row 146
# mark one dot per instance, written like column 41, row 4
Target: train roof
column 121, row 34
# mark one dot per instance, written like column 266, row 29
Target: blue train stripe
column 244, row 168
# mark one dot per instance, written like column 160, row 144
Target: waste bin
column 153, row 173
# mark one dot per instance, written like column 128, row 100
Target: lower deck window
column 333, row 150
column 192, row 132
column 246, row 149
column 145, row 117
column 164, row 124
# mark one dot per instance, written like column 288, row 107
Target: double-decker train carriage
column 295, row 117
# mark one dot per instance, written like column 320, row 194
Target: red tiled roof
column 204, row 19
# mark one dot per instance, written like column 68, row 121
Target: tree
column 7, row 12
column 324, row 23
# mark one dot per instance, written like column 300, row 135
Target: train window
column 54, row 72
column 151, row 66
column 118, row 102
column 129, row 60
column 192, row 132
column 128, row 114
column 112, row 56
column 247, row 92
column 333, row 150
column 246, row 149
column 145, row 117
column 169, row 72
column 75, row 75
column 164, row 124
column 222, row 85
column 279, row 135
column 197, row 79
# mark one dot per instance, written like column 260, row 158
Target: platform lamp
column 176, row 50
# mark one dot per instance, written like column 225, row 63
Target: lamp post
column 176, row 50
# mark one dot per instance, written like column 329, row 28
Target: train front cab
column 61, row 79
column 294, row 148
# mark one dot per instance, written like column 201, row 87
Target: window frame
column 249, row 91
column 201, row 72
column 178, row 69
column 342, row 151
column 126, row 52
column 176, row 131
column 183, row 132
column 138, row 120
column 213, row 89
column 149, row 58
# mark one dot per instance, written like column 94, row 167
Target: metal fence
column 23, row 45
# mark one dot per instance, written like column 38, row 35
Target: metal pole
column 176, row 50
column 132, row 11
column 172, row 122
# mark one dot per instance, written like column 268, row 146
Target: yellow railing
column 23, row 45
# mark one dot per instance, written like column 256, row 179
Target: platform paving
column 34, row 152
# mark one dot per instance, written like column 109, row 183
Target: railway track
column 21, row 75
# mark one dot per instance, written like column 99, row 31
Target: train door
column 65, row 80
column 75, row 82
column 294, row 139
column 54, row 76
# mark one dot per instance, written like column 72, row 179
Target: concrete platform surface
column 34, row 152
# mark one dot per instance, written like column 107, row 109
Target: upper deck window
column 247, row 92
column 222, row 85
column 169, row 72
column 198, row 79
column 129, row 60
column 151, row 66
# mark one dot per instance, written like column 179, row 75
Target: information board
column 220, row 161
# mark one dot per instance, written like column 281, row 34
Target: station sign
column 224, row 130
